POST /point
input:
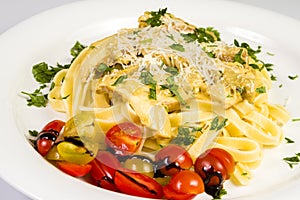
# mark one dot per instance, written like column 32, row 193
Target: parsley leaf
column 44, row 73
column 293, row 77
column 261, row 90
column 215, row 125
column 33, row 133
column 205, row 35
column 155, row 20
column 288, row 140
column 147, row 79
column 37, row 98
column 76, row 49
column 171, row 70
column 177, row 47
column 251, row 52
column 119, row 80
column 296, row 120
column 238, row 57
column 173, row 88
column 293, row 160
column 184, row 137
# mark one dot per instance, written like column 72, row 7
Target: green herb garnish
column 293, row 77
column 216, row 125
column 37, row 98
column 288, row 140
column 119, row 80
column 33, row 133
column 202, row 35
column 173, row 88
column 155, row 20
column 251, row 52
column 147, row 79
column 296, row 120
column 261, row 90
column 293, row 160
column 219, row 194
column 171, row 70
column 177, row 47
column 76, row 49
column 238, row 57
column 184, row 137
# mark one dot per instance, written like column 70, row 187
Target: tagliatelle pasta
column 165, row 78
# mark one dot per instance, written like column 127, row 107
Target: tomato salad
column 171, row 174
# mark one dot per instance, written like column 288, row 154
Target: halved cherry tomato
column 214, row 166
column 55, row 125
column 124, row 138
column 186, row 184
column 74, row 169
column 169, row 193
column 224, row 157
column 172, row 159
column 137, row 184
column 103, row 170
column 48, row 136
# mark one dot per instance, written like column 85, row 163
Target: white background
column 14, row 11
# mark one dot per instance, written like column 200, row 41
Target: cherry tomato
column 225, row 158
column 214, row 166
column 169, row 193
column 124, row 138
column 55, row 125
column 103, row 170
column 47, row 137
column 172, row 159
column 74, row 169
column 137, row 184
column 186, row 184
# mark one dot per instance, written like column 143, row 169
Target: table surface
column 14, row 11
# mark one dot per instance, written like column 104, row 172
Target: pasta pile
column 178, row 88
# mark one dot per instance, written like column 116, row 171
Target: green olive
column 141, row 165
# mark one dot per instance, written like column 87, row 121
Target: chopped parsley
column 171, row 70
column 155, row 20
column 217, row 125
column 238, row 57
column 200, row 35
column 293, row 160
column 296, row 120
column 251, row 52
column 177, row 47
column 273, row 78
column 219, row 194
column 44, row 74
column 33, row 133
column 37, row 98
column 119, row 80
column 293, row 77
column 261, row 90
column 102, row 68
column 184, row 137
column 288, row 140
column 173, row 88
column 76, row 50
column 147, row 79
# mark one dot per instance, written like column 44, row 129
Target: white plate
column 49, row 36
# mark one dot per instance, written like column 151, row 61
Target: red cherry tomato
column 169, row 193
column 103, row 170
column 187, row 181
column 124, row 138
column 172, row 159
column 224, row 157
column 214, row 166
column 48, row 136
column 137, row 184
column 74, row 169
column 55, row 125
